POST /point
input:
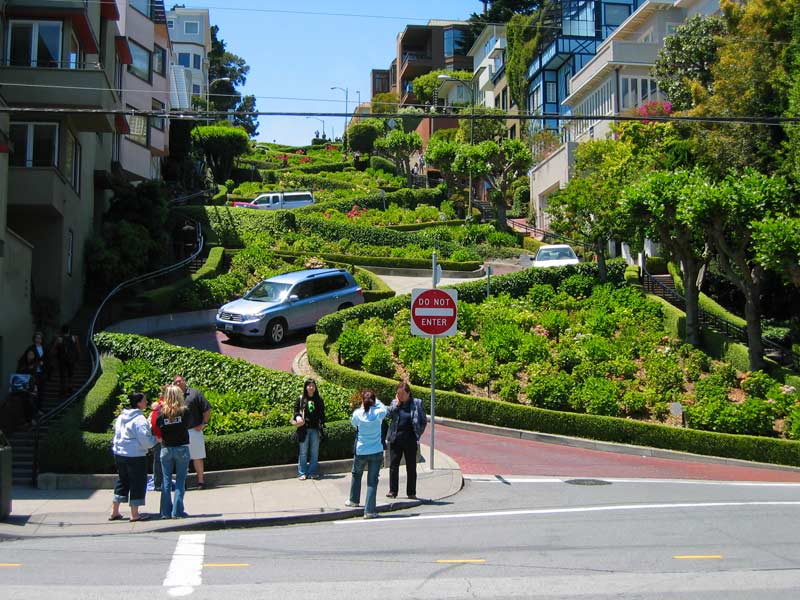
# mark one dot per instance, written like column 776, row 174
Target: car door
column 303, row 311
column 330, row 296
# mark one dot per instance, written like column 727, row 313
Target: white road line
column 571, row 510
column 186, row 569
column 506, row 480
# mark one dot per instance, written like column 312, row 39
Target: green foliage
column 220, row 145
column 386, row 102
column 475, row 131
column 381, row 164
column 378, row 360
column 577, row 286
column 425, row 85
column 596, row 396
column 522, row 42
column 776, row 241
column 398, row 146
column 362, row 134
column 758, row 385
column 550, row 391
column 353, row 344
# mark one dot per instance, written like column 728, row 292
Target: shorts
column 197, row 444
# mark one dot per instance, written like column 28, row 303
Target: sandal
column 141, row 518
column 115, row 518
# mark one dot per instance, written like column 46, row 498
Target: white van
column 276, row 200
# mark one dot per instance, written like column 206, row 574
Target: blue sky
column 298, row 56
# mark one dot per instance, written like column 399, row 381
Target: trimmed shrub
column 353, row 344
column 382, row 164
column 378, row 361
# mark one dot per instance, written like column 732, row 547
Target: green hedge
column 389, row 261
column 418, row 226
column 515, row 284
column 221, row 196
column 161, row 300
column 611, row 429
column 706, row 303
column 532, row 245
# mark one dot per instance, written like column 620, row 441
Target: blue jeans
column 177, row 458
column 309, row 446
column 373, row 464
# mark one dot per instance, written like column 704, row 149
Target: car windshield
column 555, row 254
column 268, row 291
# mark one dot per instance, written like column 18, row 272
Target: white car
column 555, row 255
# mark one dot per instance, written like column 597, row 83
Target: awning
column 123, row 50
column 109, row 10
column 121, row 124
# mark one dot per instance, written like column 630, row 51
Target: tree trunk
column 599, row 250
column 692, row 298
column 752, row 314
column 500, row 211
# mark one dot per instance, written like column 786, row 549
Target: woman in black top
column 173, row 434
column 309, row 418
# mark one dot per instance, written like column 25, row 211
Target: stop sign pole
column 434, row 313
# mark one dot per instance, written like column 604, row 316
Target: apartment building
column 145, row 82
column 54, row 166
column 614, row 81
column 190, row 37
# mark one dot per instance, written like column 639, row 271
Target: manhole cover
column 587, row 482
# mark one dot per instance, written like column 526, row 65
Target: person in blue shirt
column 367, row 419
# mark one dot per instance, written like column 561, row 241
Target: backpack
column 67, row 349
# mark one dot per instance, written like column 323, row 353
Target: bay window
column 142, row 64
column 34, row 43
column 34, row 144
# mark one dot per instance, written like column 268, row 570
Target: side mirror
column 294, row 298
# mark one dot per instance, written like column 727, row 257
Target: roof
column 297, row 276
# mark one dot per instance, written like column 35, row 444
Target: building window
column 142, row 6
column 578, row 19
column 34, row 44
column 454, row 43
column 159, row 60
column 504, row 99
column 140, row 128
column 191, row 27
column 616, row 14
column 158, row 122
column 75, row 54
column 170, row 24
column 536, row 100
column 552, row 92
column 196, row 61
column 34, row 144
column 646, row 37
column 512, row 132
column 672, row 28
column 184, row 59
column 638, row 90
column 142, row 64
column 72, row 161
column 195, row 89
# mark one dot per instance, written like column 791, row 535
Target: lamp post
column 321, row 121
column 208, row 88
column 443, row 78
column 346, row 99
column 358, row 109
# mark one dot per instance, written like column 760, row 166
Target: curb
column 588, row 444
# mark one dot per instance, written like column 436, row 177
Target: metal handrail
column 94, row 353
column 547, row 235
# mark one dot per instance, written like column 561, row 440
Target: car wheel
column 276, row 331
column 345, row 305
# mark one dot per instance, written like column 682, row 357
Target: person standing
column 43, row 358
column 173, row 434
column 157, row 475
column 309, row 418
column 408, row 422
column 199, row 413
column 132, row 439
column 67, row 355
column 367, row 420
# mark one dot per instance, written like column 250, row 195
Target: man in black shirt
column 199, row 413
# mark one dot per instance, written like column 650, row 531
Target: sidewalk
column 84, row 512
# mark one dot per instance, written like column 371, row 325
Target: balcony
column 63, row 88
column 40, row 191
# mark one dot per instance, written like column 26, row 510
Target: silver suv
column 288, row 302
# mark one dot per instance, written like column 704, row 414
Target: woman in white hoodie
column 132, row 439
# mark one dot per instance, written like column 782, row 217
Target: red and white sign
column 434, row 312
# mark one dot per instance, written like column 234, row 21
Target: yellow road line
column 10, row 565
column 698, row 557
column 226, row 565
column 456, row 561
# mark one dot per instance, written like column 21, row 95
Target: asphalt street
column 501, row 537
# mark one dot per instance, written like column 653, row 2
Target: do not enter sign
column 434, row 312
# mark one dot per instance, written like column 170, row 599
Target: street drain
column 587, row 482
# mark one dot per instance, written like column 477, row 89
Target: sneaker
column 412, row 496
column 391, row 495
column 370, row 515
column 351, row 503
column 302, row 478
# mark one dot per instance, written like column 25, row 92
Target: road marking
column 507, row 480
column 459, row 561
column 186, row 569
column 226, row 565
column 4, row 565
column 558, row 511
column 698, row 557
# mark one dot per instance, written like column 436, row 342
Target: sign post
column 434, row 313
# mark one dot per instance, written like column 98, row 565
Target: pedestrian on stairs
column 67, row 351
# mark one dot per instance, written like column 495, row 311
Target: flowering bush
column 655, row 108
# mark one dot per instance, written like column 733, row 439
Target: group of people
column 35, row 368
column 406, row 426
column 175, row 430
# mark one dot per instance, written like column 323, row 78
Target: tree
column 361, row 135
column 248, row 122
column 776, row 241
column 499, row 11
column 500, row 163
column 522, row 42
column 686, row 59
column 384, row 103
column 441, row 154
column 656, row 206
column 228, row 67
column 588, row 207
column 425, row 85
column 482, row 129
column 221, row 144
column 398, row 146
column 726, row 214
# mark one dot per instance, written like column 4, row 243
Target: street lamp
column 210, row 83
column 321, row 121
column 443, row 78
column 346, row 99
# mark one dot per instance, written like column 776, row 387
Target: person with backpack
column 67, row 355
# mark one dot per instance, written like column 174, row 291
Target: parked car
column 555, row 255
column 288, row 302
column 276, row 200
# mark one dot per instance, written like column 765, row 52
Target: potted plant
column 5, row 477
